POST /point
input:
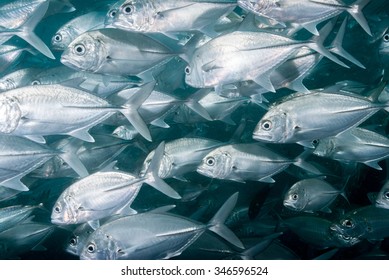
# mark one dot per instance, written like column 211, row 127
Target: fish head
column 84, row 53
column 77, row 240
column 63, row 38
column 344, row 240
column 100, row 246
column 10, row 114
column 134, row 15
column 349, row 227
column 384, row 46
column 273, row 127
column 65, row 210
column 216, row 164
column 324, row 147
column 296, row 198
column 382, row 199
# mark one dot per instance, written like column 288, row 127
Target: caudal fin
column 216, row 224
column 356, row 12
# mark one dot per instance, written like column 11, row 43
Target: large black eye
column 73, row 241
column 315, row 142
column 347, row 223
column 112, row 13
column 386, row 37
column 187, row 70
column 58, row 208
column 58, row 38
column 295, row 196
column 210, row 161
column 79, row 49
column 386, row 195
column 36, row 82
column 266, row 125
column 91, row 248
column 128, row 9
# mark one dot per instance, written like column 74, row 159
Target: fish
column 302, row 118
column 116, row 52
column 181, row 156
column 171, row 16
column 20, row 156
column 305, row 14
column 12, row 215
column 77, row 239
column 311, row 195
column 354, row 145
column 18, row 78
column 154, row 235
column 75, row 27
column 382, row 199
column 105, row 193
column 20, row 18
column 34, row 112
column 245, row 55
column 246, row 162
column 365, row 223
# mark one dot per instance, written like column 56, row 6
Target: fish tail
column 27, row 34
column 338, row 49
column 216, row 224
column 317, row 44
column 356, row 12
column 152, row 178
column 69, row 155
column 130, row 109
column 300, row 162
column 193, row 103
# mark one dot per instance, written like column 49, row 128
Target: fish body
column 243, row 162
column 154, row 235
column 181, row 156
column 115, row 52
column 242, row 56
column 41, row 110
column 170, row 16
column 310, row 195
column 12, row 215
column 355, row 145
column 305, row 14
column 304, row 118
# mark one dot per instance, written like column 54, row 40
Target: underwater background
column 260, row 220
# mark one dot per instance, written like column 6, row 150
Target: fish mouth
column 262, row 137
column 201, row 170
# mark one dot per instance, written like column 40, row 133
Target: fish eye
column 266, row 125
column 57, row 209
column 210, row 161
column 315, row 142
column 35, row 82
column 386, row 37
column 80, row 49
column 386, row 195
column 112, row 13
column 347, row 223
column 346, row 237
column 187, row 70
column 91, row 248
column 73, row 241
column 58, row 38
column 128, row 9
column 295, row 196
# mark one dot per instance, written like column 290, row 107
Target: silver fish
column 245, row 55
column 106, row 193
column 354, row 145
column 75, row 27
column 41, row 110
column 311, row 195
column 171, row 16
column 305, row 13
column 12, row 215
column 20, row 18
column 116, row 52
column 19, row 156
column 18, row 78
column 181, row 156
column 304, row 118
column 154, row 236
column 245, row 162
column 78, row 238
